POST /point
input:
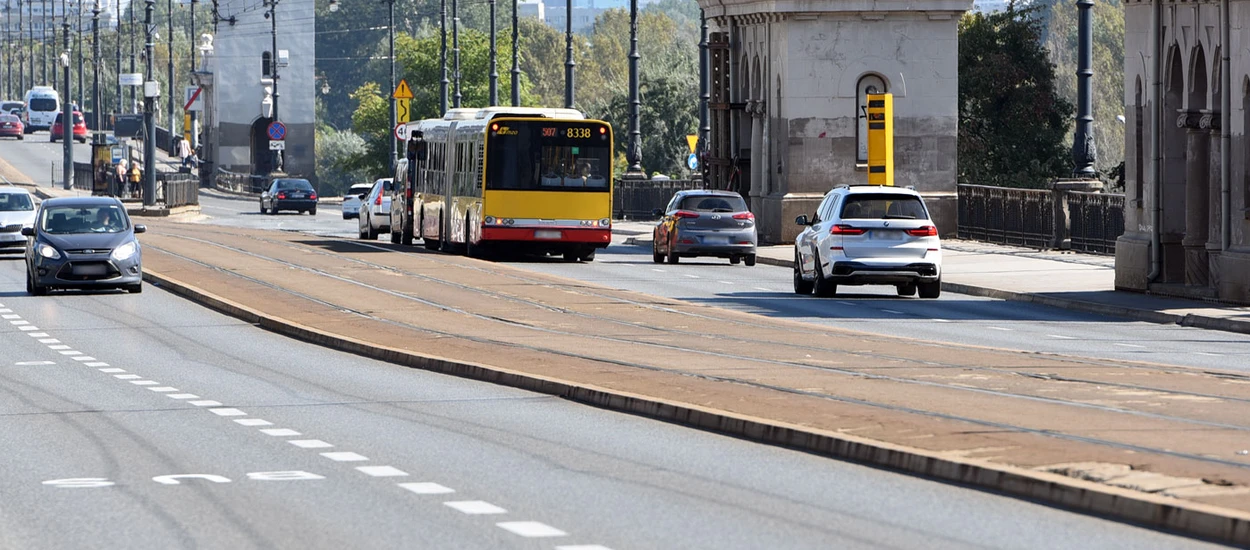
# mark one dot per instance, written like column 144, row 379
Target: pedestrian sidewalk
column 1080, row 282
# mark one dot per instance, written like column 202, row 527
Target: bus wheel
column 588, row 256
column 570, row 256
column 470, row 250
column 405, row 231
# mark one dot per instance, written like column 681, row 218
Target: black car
column 289, row 194
column 83, row 242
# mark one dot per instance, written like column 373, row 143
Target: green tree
column 372, row 122
column 665, row 118
column 337, row 152
column 1012, row 121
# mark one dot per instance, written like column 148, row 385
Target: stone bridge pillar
column 1197, row 169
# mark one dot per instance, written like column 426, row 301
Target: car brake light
column 313, row 196
column 685, row 214
column 925, row 231
column 744, row 216
column 378, row 201
column 281, row 195
column 843, row 229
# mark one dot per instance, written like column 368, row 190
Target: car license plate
column 547, row 234
column 297, row 195
column 715, row 240
column 90, row 269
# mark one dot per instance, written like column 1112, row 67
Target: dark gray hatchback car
column 705, row 222
column 81, row 243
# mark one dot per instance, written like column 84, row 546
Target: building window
column 266, row 64
column 867, row 84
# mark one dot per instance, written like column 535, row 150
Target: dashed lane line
column 426, row 488
column 309, row 443
column 127, row 376
column 1061, row 337
column 252, row 422
column 183, row 396
column 205, row 403
column 279, row 432
column 227, row 412
column 163, row 389
column 145, row 382
column 531, row 529
column 474, row 507
column 381, row 471
column 345, row 456
column 1123, row 345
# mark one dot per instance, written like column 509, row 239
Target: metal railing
column 177, row 189
column 635, row 199
column 1005, row 215
column 235, row 182
column 1096, row 220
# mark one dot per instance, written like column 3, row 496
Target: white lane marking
column 39, row 335
column 726, row 282
column 936, row 320
column 763, row 289
column 5, row 310
column 70, row 352
column 531, row 529
column 49, row 341
column 1061, row 337
column 84, row 358
column 112, row 370
column 279, row 432
column 426, row 488
column 382, row 471
column 896, row 312
column 309, row 443
column 474, row 507
column 163, row 389
column 227, row 412
column 1128, row 345
column 97, row 364
column 127, row 376
column 583, row 547
column 183, row 396
column 19, row 323
column 252, row 422
column 33, row 363
column 29, row 328
column 1208, row 354
column 847, row 303
column 999, row 328
column 205, row 403
column 658, row 270
column 344, row 456
column 691, row 276
column 145, row 382
column 58, row 346
column 10, row 316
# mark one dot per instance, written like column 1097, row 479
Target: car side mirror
column 362, row 196
column 657, row 212
column 801, row 220
column 141, row 228
column 28, row 231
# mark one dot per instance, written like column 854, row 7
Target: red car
column 80, row 128
column 10, row 125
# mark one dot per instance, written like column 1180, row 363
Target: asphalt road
column 767, row 290
column 36, row 157
column 144, row 421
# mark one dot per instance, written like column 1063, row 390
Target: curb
column 1188, row 518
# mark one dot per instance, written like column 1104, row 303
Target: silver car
column 705, row 223
column 17, row 211
column 83, row 242
column 353, row 198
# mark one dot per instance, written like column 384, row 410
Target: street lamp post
column 568, row 54
column 78, row 39
column 634, row 151
column 52, row 45
column 8, row 52
column 149, row 105
column 21, row 53
column 494, row 66
column 442, row 56
column 516, row 67
column 117, row 27
column 273, row 72
column 1083, row 150
column 705, row 130
column 390, row 14
column 455, row 52
column 173, row 119
column 67, row 111
column 134, row 106
column 195, row 135
column 95, row 65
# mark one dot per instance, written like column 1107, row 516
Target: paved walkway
column 1084, row 282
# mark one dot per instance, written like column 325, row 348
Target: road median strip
column 1187, row 517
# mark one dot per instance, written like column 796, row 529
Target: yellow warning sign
column 402, row 113
column 402, row 91
column 692, row 140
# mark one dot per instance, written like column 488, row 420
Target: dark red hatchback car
column 11, row 125
column 80, row 128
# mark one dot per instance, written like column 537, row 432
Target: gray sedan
column 705, row 223
column 81, row 243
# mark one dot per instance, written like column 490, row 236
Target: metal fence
column 177, row 189
column 1096, row 220
column 235, row 182
column 635, row 199
column 1023, row 217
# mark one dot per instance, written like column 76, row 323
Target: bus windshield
column 549, row 156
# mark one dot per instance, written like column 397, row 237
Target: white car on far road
column 375, row 210
column 17, row 210
column 353, row 198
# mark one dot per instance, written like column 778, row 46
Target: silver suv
column 869, row 235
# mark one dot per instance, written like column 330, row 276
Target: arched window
column 869, row 83
column 266, row 64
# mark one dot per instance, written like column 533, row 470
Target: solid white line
column 97, row 364
column 112, row 370
column 309, row 443
column 127, row 376
column 58, row 347
column 999, row 328
column 1208, row 354
column 426, row 488
column 475, row 507
column 84, row 358
column 279, row 432
column 227, row 412
column 163, row 389
column 145, row 382
column 50, row 341
column 381, row 471
column 252, row 422
column 1128, row 345
column 1061, row 337
column 183, row 396
column 344, row 456
column 531, row 529
column 205, row 403
column 29, row 328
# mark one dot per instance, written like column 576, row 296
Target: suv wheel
column 800, row 286
column 823, row 287
column 908, row 289
column 930, row 290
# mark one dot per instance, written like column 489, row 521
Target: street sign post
column 277, row 145
column 692, row 161
column 130, row 79
column 402, row 91
column 276, row 131
column 400, row 131
column 194, row 101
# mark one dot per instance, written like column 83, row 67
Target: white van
column 42, row 106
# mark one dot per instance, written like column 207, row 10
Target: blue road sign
column 277, row 130
column 692, row 161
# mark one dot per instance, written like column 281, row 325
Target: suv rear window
column 713, row 203
column 876, row 206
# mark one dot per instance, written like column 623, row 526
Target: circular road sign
column 277, row 130
column 692, row 161
column 400, row 130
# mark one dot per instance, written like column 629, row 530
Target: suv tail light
column 924, row 231
column 685, row 214
column 744, row 216
column 843, row 229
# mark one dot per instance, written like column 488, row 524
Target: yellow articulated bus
column 506, row 179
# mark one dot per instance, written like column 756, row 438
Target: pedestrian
column 135, row 177
column 184, row 153
column 123, row 186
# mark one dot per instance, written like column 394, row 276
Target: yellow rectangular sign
column 880, row 139
column 402, row 112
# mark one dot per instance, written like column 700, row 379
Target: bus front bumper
column 600, row 236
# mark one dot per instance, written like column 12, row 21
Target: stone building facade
column 788, row 80
column 236, row 75
column 1180, row 115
